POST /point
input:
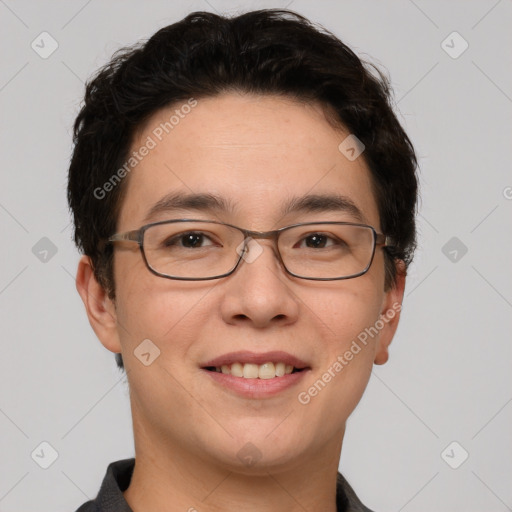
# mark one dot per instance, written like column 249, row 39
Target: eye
column 320, row 241
column 190, row 240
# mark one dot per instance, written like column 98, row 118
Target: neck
column 169, row 478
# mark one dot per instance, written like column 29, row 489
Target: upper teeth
column 255, row 371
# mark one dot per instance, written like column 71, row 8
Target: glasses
column 196, row 250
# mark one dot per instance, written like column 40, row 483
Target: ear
column 390, row 314
column 100, row 308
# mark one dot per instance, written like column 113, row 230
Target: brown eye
column 189, row 240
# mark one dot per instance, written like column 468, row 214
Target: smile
column 268, row 370
column 256, row 375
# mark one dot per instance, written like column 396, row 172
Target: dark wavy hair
column 269, row 51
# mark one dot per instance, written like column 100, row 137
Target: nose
column 260, row 292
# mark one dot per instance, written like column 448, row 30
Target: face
column 258, row 153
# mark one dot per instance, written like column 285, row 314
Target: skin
column 258, row 151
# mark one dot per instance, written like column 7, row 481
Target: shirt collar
column 117, row 479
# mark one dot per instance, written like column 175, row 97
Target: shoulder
column 110, row 496
column 346, row 498
column 88, row 507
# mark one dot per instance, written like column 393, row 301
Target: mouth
column 253, row 365
column 268, row 370
column 256, row 375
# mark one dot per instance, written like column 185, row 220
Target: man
column 245, row 201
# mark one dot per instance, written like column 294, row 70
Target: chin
column 251, row 461
column 260, row 450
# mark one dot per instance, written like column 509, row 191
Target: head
column 253, row 110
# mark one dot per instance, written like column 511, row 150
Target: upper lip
column 275, row 356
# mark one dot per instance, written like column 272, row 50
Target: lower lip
column 257, row 388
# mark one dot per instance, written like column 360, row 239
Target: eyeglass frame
column 137, row 235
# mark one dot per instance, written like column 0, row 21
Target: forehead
column 259, row 153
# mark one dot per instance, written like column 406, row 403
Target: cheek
column 335, row 388
column 169, row 313
column 343, row 317
column 344, row 312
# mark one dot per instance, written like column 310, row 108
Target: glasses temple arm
column 128, row 236
column 386, row 241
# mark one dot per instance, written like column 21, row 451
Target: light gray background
column 448, row 378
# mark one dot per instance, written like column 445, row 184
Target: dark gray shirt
column 117, row 479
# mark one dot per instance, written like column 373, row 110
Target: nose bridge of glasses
column 254, row 242
column 258, row 236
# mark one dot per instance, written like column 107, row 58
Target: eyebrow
column 323, row 203
column 182, row 201
column 207, row 202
